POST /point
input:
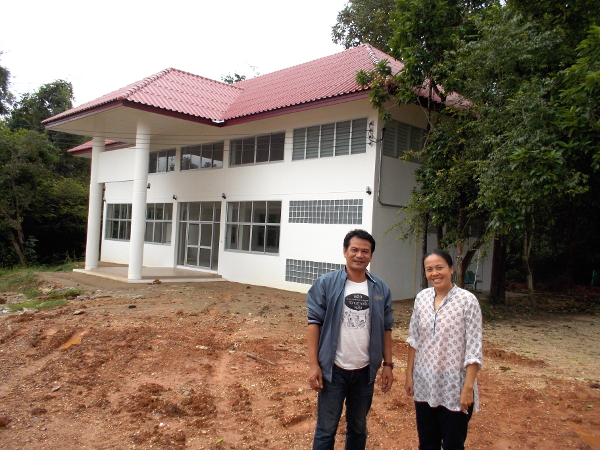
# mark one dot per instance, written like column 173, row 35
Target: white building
column 257, row 181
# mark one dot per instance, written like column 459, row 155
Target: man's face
column 358, row 254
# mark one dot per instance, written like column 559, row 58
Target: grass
column 22, row 281
column 26, row 281
column 37, row 304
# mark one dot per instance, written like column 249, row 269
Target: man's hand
column 387, row 378
column 315, row 378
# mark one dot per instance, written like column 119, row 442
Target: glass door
column 199, row 231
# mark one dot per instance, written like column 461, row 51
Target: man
column 350, row 322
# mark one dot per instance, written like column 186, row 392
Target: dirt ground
column 222, row 365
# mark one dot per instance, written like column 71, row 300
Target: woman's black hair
column 443, row 253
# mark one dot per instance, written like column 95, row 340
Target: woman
column 444, row 357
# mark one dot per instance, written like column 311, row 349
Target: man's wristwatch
column 389, row 364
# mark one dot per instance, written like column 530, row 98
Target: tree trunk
column 572, row 235
column 424, row 251
column 498, row 277
column 527, row 244
column 460, row 239
column 440, row 235
column 18, row 243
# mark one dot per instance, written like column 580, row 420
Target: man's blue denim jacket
column 325, row 301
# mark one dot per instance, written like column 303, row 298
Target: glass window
column 258, row 149
column 162, row 161
column 118, row 221
column 159, row 218
column 205, row 156
column 320, row 141
column 253, row 226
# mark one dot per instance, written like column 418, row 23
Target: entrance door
column 199, row 231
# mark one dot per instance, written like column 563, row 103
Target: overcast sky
column 102, row 46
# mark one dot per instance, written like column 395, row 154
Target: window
column 253, row 226
column 159, row 218
column 400, row 137
column 203, row 156
column 257, row 149
column 163, row 161
column 118, row 221
column 332, row 139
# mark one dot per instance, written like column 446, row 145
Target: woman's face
column 439, row 274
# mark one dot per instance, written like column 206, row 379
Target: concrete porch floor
column 118, row 272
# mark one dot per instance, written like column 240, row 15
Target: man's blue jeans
column 354, row 387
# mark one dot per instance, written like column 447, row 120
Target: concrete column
column 94, row 226
column 138, row 207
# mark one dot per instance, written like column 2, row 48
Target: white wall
column 331, row 178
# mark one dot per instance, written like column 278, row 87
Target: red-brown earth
column 222, row 365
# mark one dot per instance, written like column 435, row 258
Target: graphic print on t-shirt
column 356, row 312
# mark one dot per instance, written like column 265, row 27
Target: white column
column 138, row 207
column 94, row 226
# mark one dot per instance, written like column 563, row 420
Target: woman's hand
column 466, row 398
column 408, row 385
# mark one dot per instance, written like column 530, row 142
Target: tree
column 424, row 37
column 365, row 22
column 32, row 108
column 497, row 163
column 5, row 95
column 24, row 160
column 232, row 78
column 235, row 77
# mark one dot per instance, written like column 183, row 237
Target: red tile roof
column 87, row 146
column 176, row 91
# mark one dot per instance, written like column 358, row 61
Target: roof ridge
column 204, row 78
column 145, row 82
column 371, row 53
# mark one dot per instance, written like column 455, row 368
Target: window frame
column 200, row 150
column 154, row 161
column 246, row 151
column 122, row 222
column 250, row 225
column 165, row 223
column 403, row 139
column 346, row 137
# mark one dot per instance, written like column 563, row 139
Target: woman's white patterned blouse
column 446, row 341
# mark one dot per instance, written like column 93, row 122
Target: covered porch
column 156, row 275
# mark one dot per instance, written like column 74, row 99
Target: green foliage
column 522, row 150
column 59, row 219
column 25, row 160
column 49, row 100
column 364, row 22
column 6, row 97
column 33, row 108
column 38, row 304
column 579, row 114
column 232, row 78
column 18, row 280
column 43, row 189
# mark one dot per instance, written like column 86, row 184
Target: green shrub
column 37, row 304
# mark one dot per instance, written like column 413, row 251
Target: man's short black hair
column 362, row 234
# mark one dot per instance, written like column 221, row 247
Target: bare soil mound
column 223, row 366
